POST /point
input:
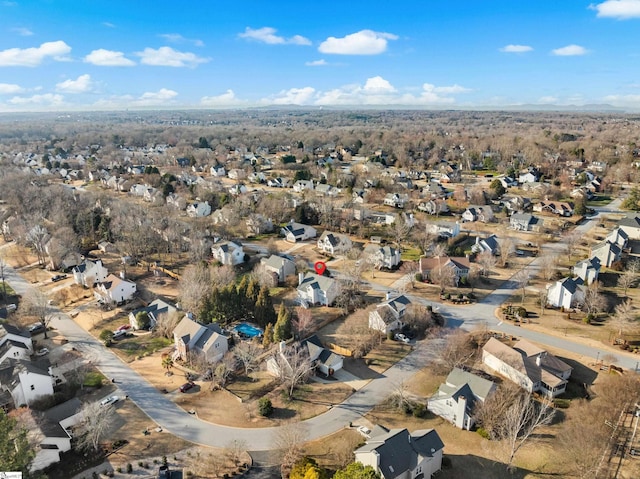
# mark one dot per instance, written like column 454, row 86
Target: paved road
column 173, row 419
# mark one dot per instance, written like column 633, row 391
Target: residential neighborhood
column 167, row 295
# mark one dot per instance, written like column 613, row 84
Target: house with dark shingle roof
column 631, row 225
column 25, row 381
column 388, row 315
column 323, row 359
column 279, row 266
column 334, row 243
column 457, row 397
column 317, row 289
column 587, row 270
column 607, row 252
column 399, row 454
column 155, row 310
column 114, row 290
column 565, row 293
column 189, row 336
column 527, row 365
column 459, row 265
column 294, row 232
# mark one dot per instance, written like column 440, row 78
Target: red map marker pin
column 320, row 267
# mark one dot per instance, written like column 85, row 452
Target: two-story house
column 228, row 252
column 399, row 454
column 114, row 290
column 189, row 336
column 316, row 289
column 294, row 232
column 155, row 310
column 279, row 266
column 198, row 210
column 383, row 257
column 334, row 243
column 459, row 266
column 89, row 273
column 388, row 316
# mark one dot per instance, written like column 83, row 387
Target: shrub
column 119, row 470
column 586, row 319
column 482, row 432
column 407, row 408
column 522, row 312
column 419, row 277
column 129, row 468
column 460, row 296
column 447, row 296
column 419, row 410
column 429, row 308
column 164, row 461
column 471, row 296
column 140, row 464
column 561, row 403
column 390, row 335
column 265, row 407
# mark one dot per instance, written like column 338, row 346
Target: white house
column 156, row 309
column 383, row 256
column 398, row 454
column 445, row 229
column 11, row 336
column 530, row 367
column 303, row 185
column 489, row 244
column 631, row 226
column 89, row 273
column 198, row 210
column 587, row 270
column 457, row 397
column 334, row 243
column 294, row 232
column 218, row 171
column 606, row 252
column 279, row 266
column 228, row 252
column 619, row 237
column 316, row 289
column 396, row 200
column 565, row 293
column 388, row 315
column 25, row 381
column 189, row 336
column 114, row 290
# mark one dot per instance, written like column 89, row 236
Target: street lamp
column 598, row 357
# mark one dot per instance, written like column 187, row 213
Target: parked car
column 119, row 333
column 364, row 431
column 42, row 352
column 401, row 337
column 109, row 400
column 11, row 307
column 58, row 277
column 36, row 328
column 124, row 327
column 186, row 386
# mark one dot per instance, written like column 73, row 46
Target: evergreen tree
column 307, row 468
column 267, row 339
column 264, row 313
column 15, row 452
column 253, row 289
column 282, row 329
column 356, row 470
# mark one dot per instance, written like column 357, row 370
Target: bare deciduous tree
column 507, row 248
column 594, row 301
column 624, row 319
column 293, row 366
column 223, row 276
column 456, row 349
column 94, row 424
column 38, row 304
column 247, row 353
column 626, row 280
column 224, row 369
column 288, row 440
column 487, row 261
column 521, row 279
column 303, row 322
column 166, row 323
column 195, row 283
column 548, row 266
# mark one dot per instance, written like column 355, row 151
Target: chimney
column 538, row 359
column 300, row 278
column 387, row 295
column 477, row 239
column 122, row 275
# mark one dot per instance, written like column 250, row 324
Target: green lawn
column 5, row 287
column 599, row 200
column 411, row 254
column 141, row 346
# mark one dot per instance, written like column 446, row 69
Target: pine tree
column 267, row 339
column 264, row 313
column 253, row 289
column 15, row 452
column 282, row 329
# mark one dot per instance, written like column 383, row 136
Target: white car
column 120, row 333
column 402, row 337
column 365, row 431
column 42, row 352
column 109, row 400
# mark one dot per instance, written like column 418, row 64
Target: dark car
column 58, row 277
column 186, row 386
column 36, row 328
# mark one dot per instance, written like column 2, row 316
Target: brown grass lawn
column 386, row 355
column 309, row 400
column 336, row 450
column 17, row 256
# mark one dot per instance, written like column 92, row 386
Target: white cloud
column 177, row 38
column 49, row 99
column 428, row 87
column 108, row 58
column 24, row 32
column 516, row 48
column 317, row 63
column 268, row 35
column 364, row 42
column 82, row 84
column 570, row 51
column 168, row 57
column 162, row 98
column 294, row 96
column 108, row 24
column 620, row 9
column 158, row 97
column 548, row 99
column 624, row 101
column 10, row 89
column 227, row 99
column 378, row 85
column 31, row 57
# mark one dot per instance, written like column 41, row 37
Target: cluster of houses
column 569, row 292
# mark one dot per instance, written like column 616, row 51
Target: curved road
column 175, row 420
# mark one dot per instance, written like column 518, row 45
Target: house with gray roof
column 606, row 252
column 489, row 244
column 523, row 222
column 89, row 272
column 631, row 225
column 279, row 266
column 334, row 243
column 323, row 359
column 399, row 454
column 228, row 252
column 189, row 336
column 618, row 236
column 388, row 315
column 25, row 381
column 383, row 257
column 316, row 289
column 156, row 309
column 527, row 365
column 458, row 395
column 587, row 270
column 565, row 293
column 12, row 336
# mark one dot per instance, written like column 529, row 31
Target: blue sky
column 58, row 55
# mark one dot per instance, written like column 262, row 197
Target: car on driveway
column 120, row 333
column 364, row 431
column 124, row 327
column 58, row 277
column 109, row 400
column 42, row 352
column 401, row 337
column 36, row 328
column 186, row 386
